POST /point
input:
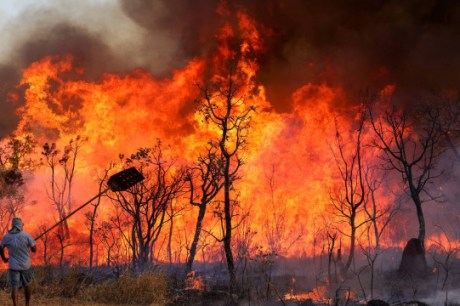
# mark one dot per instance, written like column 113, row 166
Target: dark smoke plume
column 363, row 44
column 354, row 44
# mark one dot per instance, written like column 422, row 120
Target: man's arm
column 2, row 254
column 32, row 244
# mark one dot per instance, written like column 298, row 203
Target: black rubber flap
column 125, row 179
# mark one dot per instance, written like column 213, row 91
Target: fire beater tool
column 120, row 181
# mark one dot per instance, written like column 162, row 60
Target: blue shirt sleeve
column 31, row 240
column 4, row 241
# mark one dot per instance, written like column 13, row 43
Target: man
column 20, row 272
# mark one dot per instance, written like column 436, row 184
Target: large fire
column 289, row 171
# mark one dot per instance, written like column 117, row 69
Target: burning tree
column 147, row 203
column 410, row 145
column 225, row 109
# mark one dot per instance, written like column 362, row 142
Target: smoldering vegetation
column 268, row 279
column 263, row 280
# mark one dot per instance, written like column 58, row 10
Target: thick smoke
column 361, row 45
column 192, row 24
column 355, row 45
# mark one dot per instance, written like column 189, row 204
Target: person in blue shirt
column 19, row 245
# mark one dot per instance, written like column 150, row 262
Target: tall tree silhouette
column 225, row 109
column 410, row 141
column 349, row 198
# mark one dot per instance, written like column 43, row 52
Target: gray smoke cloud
column 98, row 34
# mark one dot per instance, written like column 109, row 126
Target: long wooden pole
column 73, row 212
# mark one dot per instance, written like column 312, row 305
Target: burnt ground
column 278, row 282
column 304, row 281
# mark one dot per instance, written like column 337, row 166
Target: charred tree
column 205, row 181
column 224, row 107
column 147, row 203
column 410, row 145
column 349, row 198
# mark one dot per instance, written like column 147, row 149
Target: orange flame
column 289, row 169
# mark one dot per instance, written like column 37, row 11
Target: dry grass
column 76, row 288
column 38, row 300
column 144, row 289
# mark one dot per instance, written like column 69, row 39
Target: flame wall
column 303, row 63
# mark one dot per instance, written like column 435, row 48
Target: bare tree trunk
column 228, row 229
column 196, row 237
column 421, row 222
column 169, row 246
column 91, row 243
column 415, row 195
column 92, row 218
column 352, row 245
column 330, row 254
column 44, row 240
column 61, row 238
